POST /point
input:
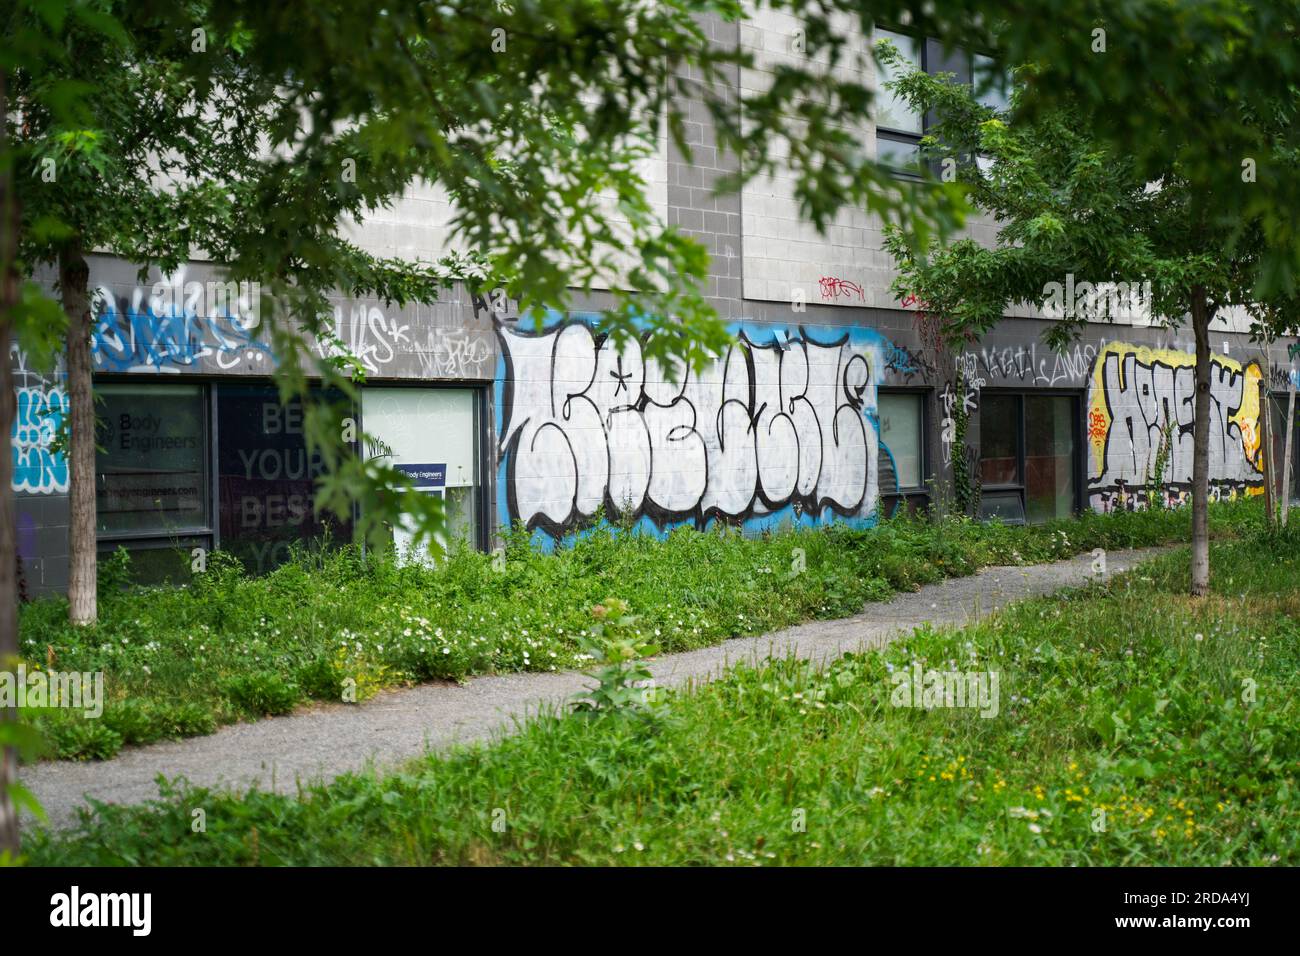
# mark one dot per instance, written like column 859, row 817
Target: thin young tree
column 136, row 169
column 1067, row 203
column 160, row 131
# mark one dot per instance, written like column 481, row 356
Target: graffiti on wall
column 1140, row 420
column 177, row 323
column 453, row 353
column 833, row 287
column 906, row 364
column 1028, row 365
column 385, row 342
column 948, row 421
column 782, row 427
column 365, row 333
column 1282, row 378
column 40, row 408
column 38, row 468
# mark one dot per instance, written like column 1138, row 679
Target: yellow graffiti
column 1246, row 418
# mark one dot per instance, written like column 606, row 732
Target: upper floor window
column 899, row 127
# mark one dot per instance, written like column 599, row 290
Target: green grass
column 1177, row 719
column 182, row 661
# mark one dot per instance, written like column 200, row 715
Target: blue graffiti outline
column 184, row 334
column 863, row 337
column 38, row 418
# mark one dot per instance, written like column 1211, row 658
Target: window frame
column 932, row 61
column 1278, row 403
column 1078, row 466
column 484, row 484
column 208, row 530
column 923, row 395
column 209, row 389
column 891, row 134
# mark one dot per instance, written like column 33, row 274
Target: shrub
column 261, row 693
column 76, row 737
column 134, row 721
column 320, row 679
column 114, row 573
column 183, row 719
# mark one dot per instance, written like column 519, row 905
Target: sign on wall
column 431, row 435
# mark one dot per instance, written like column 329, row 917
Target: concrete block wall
column 40, row 479
column 785, row 258
column 712, row 220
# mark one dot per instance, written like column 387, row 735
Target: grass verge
column 179, row 662
column 1135, row 726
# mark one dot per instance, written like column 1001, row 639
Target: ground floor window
column 902, row 442
column 266, row 477
column 184, row 466
column 432, row 434
column 151, row 469
column 1028, row 456
column 1280, row 429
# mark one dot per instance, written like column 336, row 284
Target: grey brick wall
column 712, row 220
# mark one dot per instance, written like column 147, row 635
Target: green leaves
column 25, row 738
column 625, row 684
column 39, row 324
column 1072, row 195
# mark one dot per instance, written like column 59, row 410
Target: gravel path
column 327, row 740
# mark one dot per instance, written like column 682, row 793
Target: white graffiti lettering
column 762, row 428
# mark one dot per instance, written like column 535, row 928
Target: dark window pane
column 1004, row 505
column 1000, row 440
column 1279, row 441
column 267, row 480
column 149, row 475
column 167, row 561
column 1049, row 457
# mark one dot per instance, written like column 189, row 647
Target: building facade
column 832, row 404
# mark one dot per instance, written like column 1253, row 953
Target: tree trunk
column 8, row 560
column 74, row 276
column 8, row 538
column 1201, row 316
column 1289, row 425
column 1267, row 458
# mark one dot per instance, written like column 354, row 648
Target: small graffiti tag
column 835, row 288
